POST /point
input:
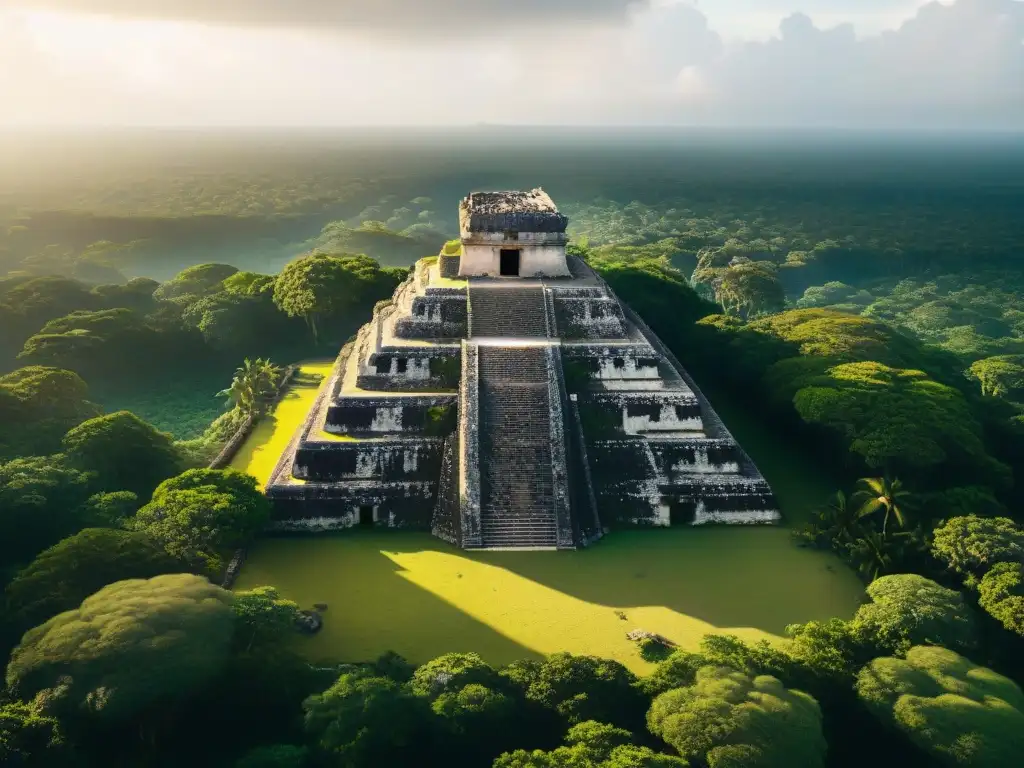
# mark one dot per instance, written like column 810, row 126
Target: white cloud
column 952, row 65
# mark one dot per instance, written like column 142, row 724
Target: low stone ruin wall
column 390, row 460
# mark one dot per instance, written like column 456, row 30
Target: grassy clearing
column 183, row 407
column 261, row 450
column 411, row 593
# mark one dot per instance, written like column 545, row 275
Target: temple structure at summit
column 505, row 398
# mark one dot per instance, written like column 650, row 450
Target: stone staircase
column 509, row 312
column 517, row 504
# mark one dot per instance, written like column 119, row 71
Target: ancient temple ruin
column 505, row 398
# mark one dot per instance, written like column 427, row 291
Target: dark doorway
column 509, row 262
column 682, row 513
column 366, row 516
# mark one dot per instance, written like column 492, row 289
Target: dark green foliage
column 893, row 417
column 321, row 287
column 40, row 503
column 123, row 452
column 592, row 745
column 132, row 645
column 195, row 281
column 959, row 712
column 38, row 405
column 29, row 738
column 394, row 666
column 729, row 718
column 1001, row 593
column 580, row 688
column 111, row 509
column 61, row 577
column 277, row 756
column 363, row 720
column 203, row 514
column 263, row 617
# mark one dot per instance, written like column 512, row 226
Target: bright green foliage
column 839, row 336
column 678, row 670
column 451, row 672
column 38, row 405
column 908, row 609
column 253, row 389
column 277, row 756
column 592, row 745
column 882, row 494
column 727, row 718
column 1001, row 593
column 580, row 688
column 203, row 513
column 830, row 649
column 111, row 509
column 132, row 645
column 195, row 281
column 959, row 712
column 248, row 284
column 263, row 617
column 832, row 293
column 751, row 288
column 319, row 286
column 972, row 544
column 60, row 578
column 28, row 737
column 999, row 376
column 474, row 709
column 40, row 503
column 363, row 720
column 124, row 452
column 892, row 416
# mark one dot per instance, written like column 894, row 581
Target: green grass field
column 268, row 440
column 416, row 595
column 413, row 594
column 184, row 407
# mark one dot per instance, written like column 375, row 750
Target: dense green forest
column 864, row 300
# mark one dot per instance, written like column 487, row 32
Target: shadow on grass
column 420, row 597
column 372, row 606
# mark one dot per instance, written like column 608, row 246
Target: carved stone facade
column 512, row 413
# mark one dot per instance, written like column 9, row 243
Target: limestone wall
column 534, row 260
column 469, row 446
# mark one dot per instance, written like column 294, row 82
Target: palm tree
column 837, row 520
column 882, row 493
column 253, row 387
column 871, row 555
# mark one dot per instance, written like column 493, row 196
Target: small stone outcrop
column 309, row 622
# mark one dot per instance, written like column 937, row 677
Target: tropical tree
column 128, row 648
column 253, row 388
column 954, row 710
column 879, row 493
column 834, row 523
column 729, row 718
column 123, row 451
column 872, row 554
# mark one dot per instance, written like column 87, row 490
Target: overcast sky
column 865, row 63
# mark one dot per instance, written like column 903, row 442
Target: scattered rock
column 622, row 615
column 642, row 634
column 309, row 622
column 320, row 606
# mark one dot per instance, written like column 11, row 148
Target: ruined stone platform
column 512, row 413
